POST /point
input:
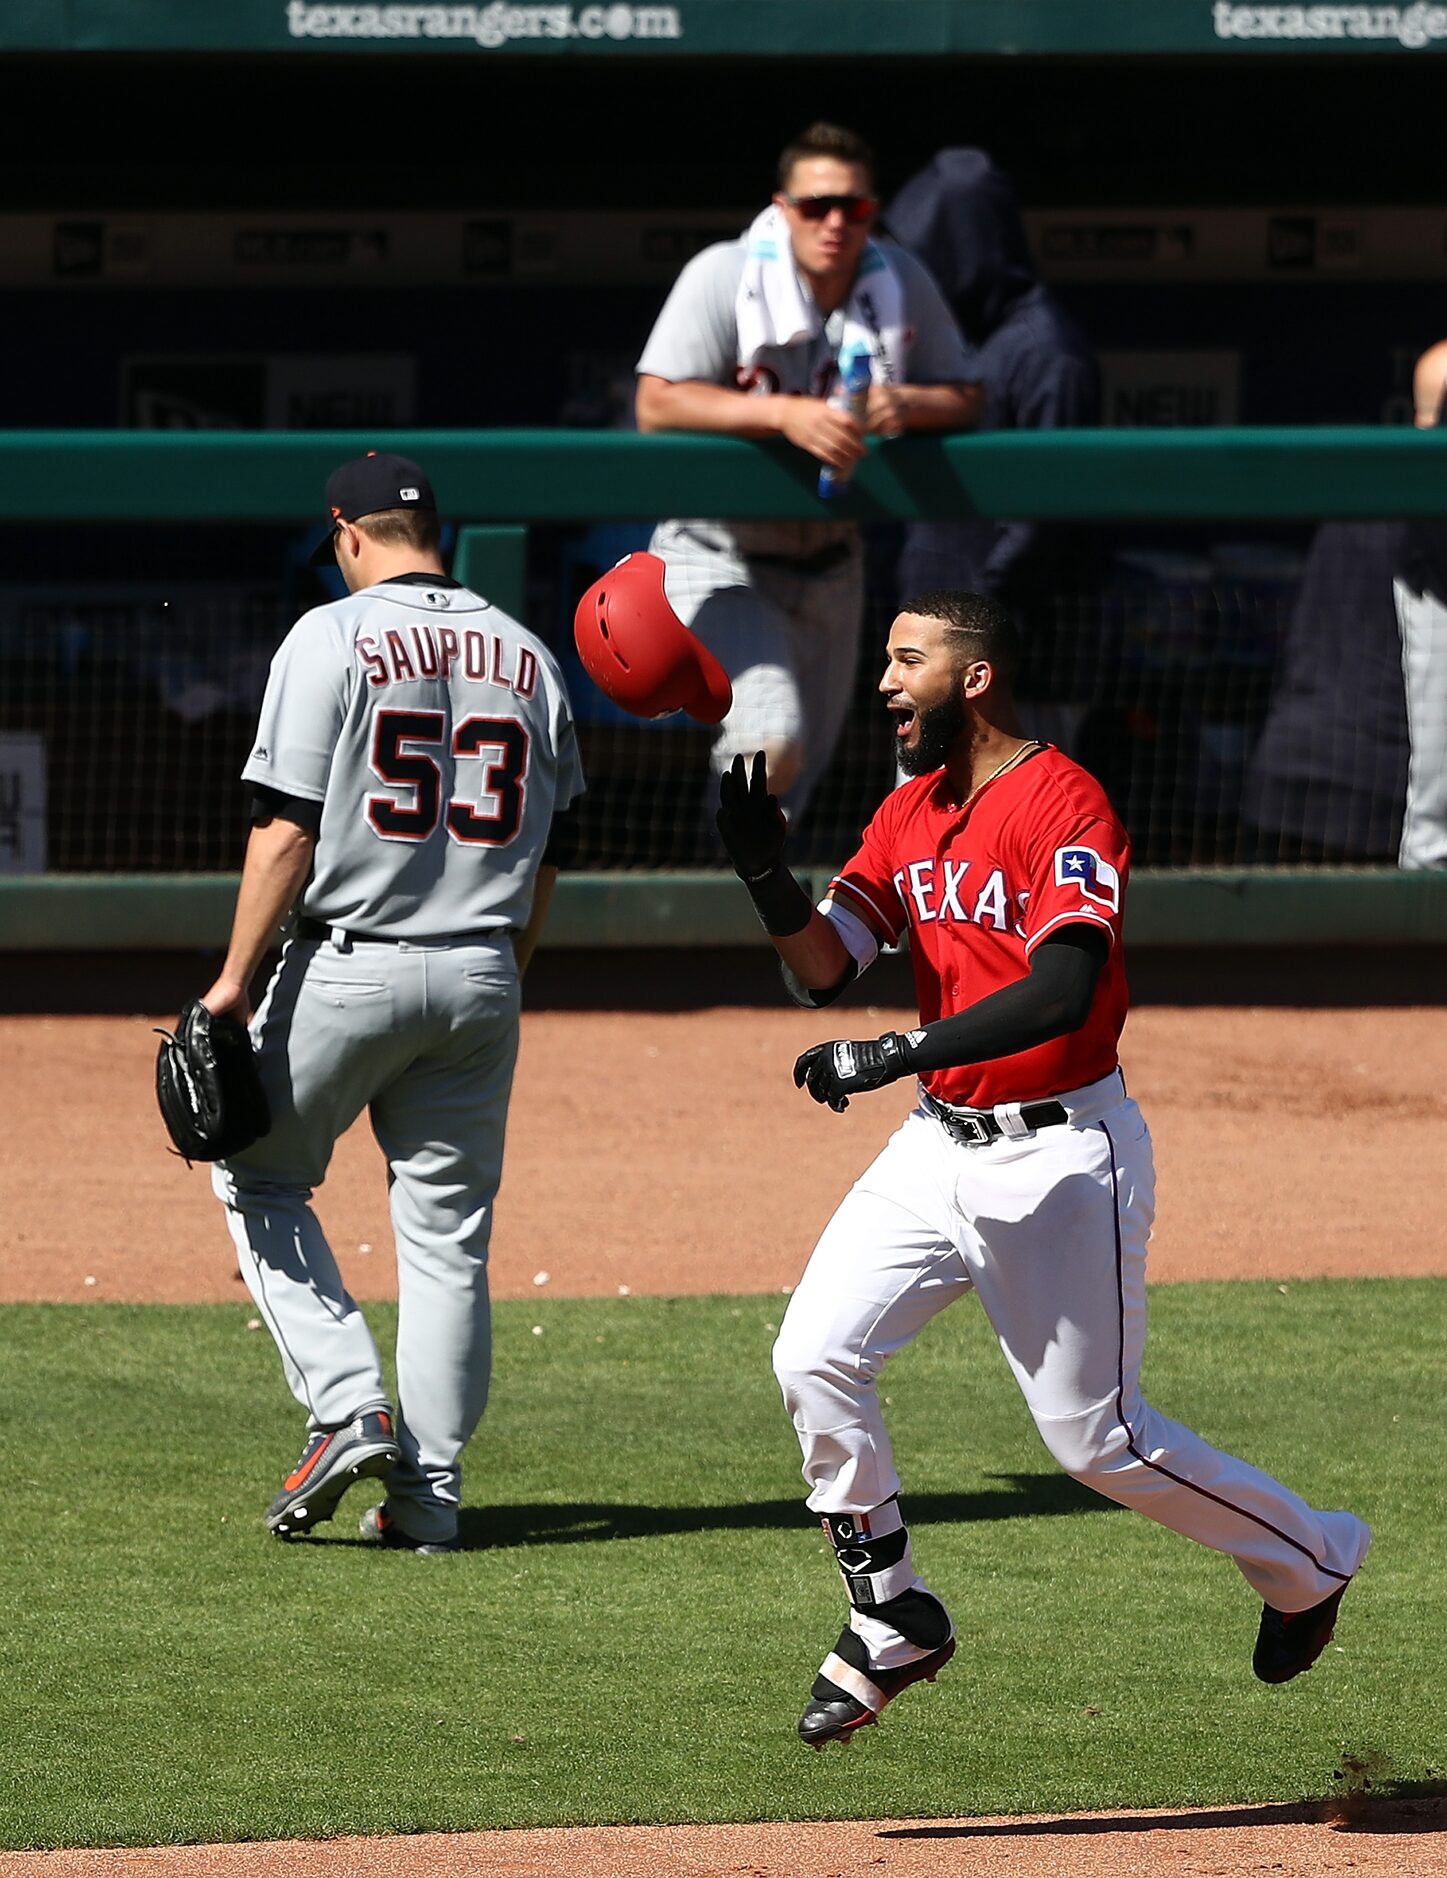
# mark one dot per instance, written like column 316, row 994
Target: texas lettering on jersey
column 930, row 890
column 940, row 891
column 977, row 887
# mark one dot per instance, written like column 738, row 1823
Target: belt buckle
column 972, row 1130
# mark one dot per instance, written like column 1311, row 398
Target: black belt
column 309, row 928
column 975, row 1127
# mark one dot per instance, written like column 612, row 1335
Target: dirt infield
column 668, row 1152
column 1400, row 1839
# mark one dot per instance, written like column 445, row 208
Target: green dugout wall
column 496, row 483
column 1299, row 909
column 586, row 475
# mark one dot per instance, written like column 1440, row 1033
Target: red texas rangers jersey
column 977, row 887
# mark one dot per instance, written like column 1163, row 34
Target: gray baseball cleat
column 379, row 1527
column 331, row 1460
column 849, row 1695
column 1290, row 1641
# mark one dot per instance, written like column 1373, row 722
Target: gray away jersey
column 436, row 733
column 696, row 336
column 696, row 333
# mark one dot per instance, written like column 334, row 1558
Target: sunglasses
column 854, row 209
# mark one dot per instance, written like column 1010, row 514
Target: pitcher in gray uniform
column 752, row 342
column 412, row 768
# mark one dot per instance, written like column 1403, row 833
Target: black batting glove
column 832, row 1072
column 750, row 822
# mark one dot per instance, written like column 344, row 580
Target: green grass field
column 644, row 1601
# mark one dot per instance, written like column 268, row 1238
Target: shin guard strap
column 866, row 1589
column 875, row 1565
column 853, row 1682
column 862, row 1528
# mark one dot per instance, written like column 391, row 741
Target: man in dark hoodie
column 960, row 216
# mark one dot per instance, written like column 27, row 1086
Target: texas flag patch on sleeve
column 1097, row 880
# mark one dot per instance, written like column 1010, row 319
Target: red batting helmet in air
column 635, row 648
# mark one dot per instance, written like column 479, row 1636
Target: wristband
column 897, row 1054
column 781, row 903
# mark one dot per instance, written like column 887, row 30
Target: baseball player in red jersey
column 1024, row 1173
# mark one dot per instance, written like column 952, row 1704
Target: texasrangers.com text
column 489, row 26
column 1412, row 26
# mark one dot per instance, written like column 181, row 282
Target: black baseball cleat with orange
column 331, row 1460
column 849, row 1695
column 1290, row 1641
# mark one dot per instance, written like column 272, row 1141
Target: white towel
column 774, row 306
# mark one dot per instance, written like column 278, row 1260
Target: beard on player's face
column 935, row 731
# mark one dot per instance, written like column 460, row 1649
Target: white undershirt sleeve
column 859, row 941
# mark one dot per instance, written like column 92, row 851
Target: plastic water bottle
column 851, row 395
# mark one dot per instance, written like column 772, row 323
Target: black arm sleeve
column 267, row 804
column 811, row 999
column 1052, row 1001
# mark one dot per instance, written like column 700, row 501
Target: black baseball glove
column 208, row 1086
column 832, row 1072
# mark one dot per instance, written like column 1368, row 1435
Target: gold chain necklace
column 1009, row 763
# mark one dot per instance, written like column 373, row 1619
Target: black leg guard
column 875, row 1566
column 878, row 1573
column 919, row 1617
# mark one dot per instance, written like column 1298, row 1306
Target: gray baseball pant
column 426, row 1035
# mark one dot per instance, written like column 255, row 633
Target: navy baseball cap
column 365, row 487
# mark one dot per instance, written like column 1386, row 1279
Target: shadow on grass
column 583, row 1521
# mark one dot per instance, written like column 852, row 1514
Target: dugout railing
column 1216, row 634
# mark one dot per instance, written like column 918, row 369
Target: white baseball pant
column 1050, row 1230
column 1423, row 621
